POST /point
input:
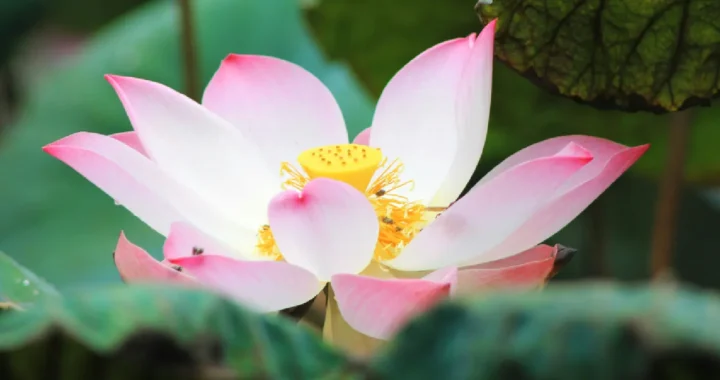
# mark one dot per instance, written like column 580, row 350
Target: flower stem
column 337, row 332
column 189, row 50
column 670, row 190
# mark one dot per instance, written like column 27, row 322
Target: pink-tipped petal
column 601, row 150
column 473, row 110
column 277, row 104
column 139, row 185
column 363, row 138
column 136, row 265
column 527, row 269
column 132, row 180
column 610, row 162
column 489, row 213
column 328, row 228
column 378, row 307
column 199, row 149
column 416, row 116
column 132, row 140
column 187, row 240
column 264, row 285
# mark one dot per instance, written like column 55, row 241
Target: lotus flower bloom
column 370, row 217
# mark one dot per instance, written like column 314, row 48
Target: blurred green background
column 53, row 55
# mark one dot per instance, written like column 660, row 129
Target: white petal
column 328, row 228
column 142, row 187
column 263, row 285
column 278, row 105
column 415, row 119
column 187, row 240
column 199, row 149
column 473, row 110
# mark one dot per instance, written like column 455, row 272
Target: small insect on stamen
column 196, row 251
column 177, row 268
column 387, row 220
column 380, row 193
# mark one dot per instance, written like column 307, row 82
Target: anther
column 387, row 220
column 197, row 251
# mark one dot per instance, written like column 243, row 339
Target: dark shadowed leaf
column 377, row 37
column 591, row 331
column 628, row 54
column 16, row 19
column 159, row 333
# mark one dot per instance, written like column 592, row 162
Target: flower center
column 356, row 165
column 349, row 163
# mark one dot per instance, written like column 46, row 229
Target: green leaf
column 150, row 331
column 16, row 19
column 372, row 36
column 591, row 331
column 61, row 225
column 19, row 286
column 88, row 15
column 378, row 37
column 632, row 55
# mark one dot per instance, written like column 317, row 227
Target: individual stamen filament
column 296, row 179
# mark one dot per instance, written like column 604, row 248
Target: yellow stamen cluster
column 266, row 243
column 399, row 218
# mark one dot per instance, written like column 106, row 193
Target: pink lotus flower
column 371, row 218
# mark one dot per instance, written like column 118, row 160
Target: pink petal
column 136, row 265
column 139, row 185
column 363, row 138
column 328, row 228
column 132, row 140
column 601, row 150
column 525, row 270
column 263, row 285
column 489, row 213
column 611, row 161
column 415, row 118
column 199, row 149
column 187, row 240
column 277, row 104
column 130, row 178
column 473, row 110
column 378, row 307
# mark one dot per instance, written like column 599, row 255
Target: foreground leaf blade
column 139, row 330
column 19, row 286
column 593, row 331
